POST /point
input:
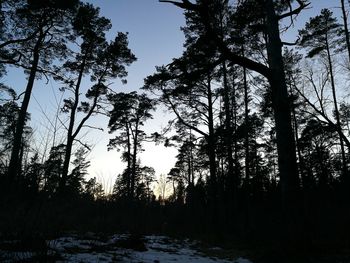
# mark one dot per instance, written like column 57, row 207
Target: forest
column 259, row 114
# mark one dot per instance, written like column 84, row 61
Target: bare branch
column 329, row 121
column 173, row 107
column 83, row 144
column 92, row 127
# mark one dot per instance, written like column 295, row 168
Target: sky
column 155, row 38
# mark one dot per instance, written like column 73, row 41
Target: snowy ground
column 118, row 248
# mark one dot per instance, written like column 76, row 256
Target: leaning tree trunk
column 14, row 164
column 70, row 137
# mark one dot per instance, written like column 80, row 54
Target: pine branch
column 296, row 11
column 15, row 41
column 183, row 121
column 185, row 4
column 223, row 47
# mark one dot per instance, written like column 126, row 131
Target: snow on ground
column 120, row 248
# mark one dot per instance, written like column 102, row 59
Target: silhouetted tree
column 53, row 168
column 76, row 178
column 102, row 61
column 93, row 190
column 143, row 178
column 46, row 27
column 33, row 176
column 130, row 112
column 9, row 111
column 320, row 36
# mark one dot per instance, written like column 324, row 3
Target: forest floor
column 91, row 247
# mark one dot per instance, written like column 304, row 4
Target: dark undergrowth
column 258, row 234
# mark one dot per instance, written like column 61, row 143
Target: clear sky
column 155, row 38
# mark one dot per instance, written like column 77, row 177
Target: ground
column 91, row 247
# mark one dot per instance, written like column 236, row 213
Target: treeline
column 261, row 125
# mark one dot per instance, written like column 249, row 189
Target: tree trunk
column 336, row 111
column 234, row 129
column 128, row 181
column 70, row 137
column 282, row 112
column 246, row 135
column 20, row 178
column 191, row 158
column 247, row 157
column 302, row 168
column 228, row 130
column 134, row 159
column 346, row 29
column 189, row 169
column 14, row 164
column 211, row 148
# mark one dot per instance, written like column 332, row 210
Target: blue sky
column 155, row 38
column 154, row 34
